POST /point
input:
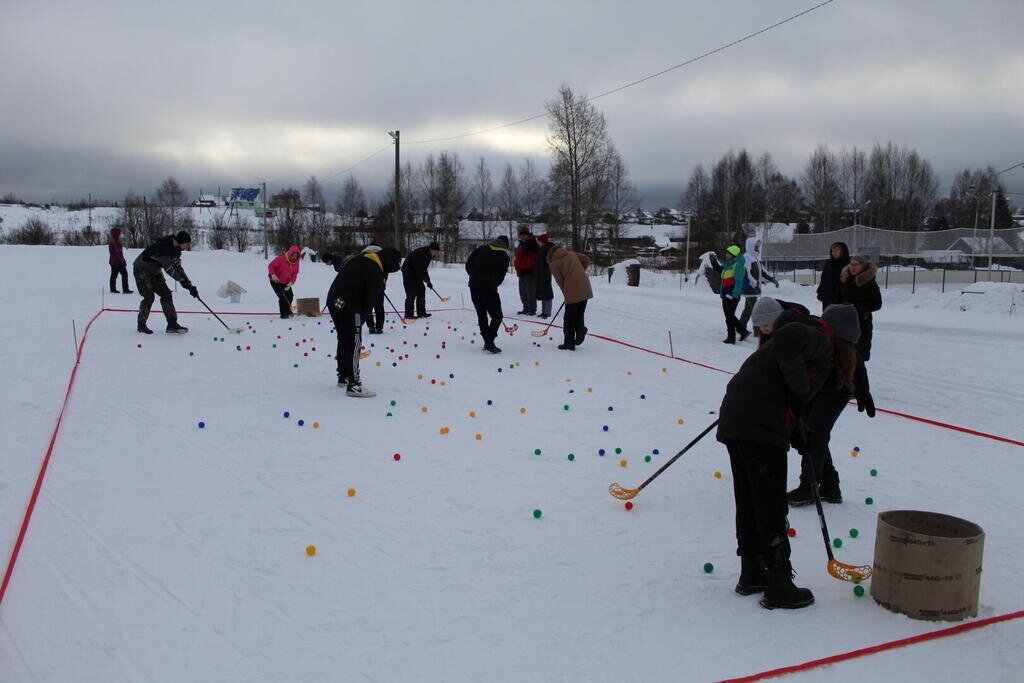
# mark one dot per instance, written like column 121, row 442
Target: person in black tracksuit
column 164, row 255
column 828, row 285
column 487, row 266
column 756, row 419
column 350, row 298
column 848, row 377
column 414, row 274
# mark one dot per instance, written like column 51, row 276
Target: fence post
column 913, row 280
column 943, row 280
column 887, row 276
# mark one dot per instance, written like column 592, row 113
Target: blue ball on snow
column 202, row 425
column 286, row 413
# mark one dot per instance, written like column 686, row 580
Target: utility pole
column 398, row 234
column 265, row 244
column 992, row 231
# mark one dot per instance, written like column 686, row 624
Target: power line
column 639, row 80
column 1021, row 163
column 364, row 160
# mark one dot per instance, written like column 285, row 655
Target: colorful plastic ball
column 837, row 542
column 618, row 451
column 791, row 532
column 611, row 408
column 202, row 425
column 351, row 493
column 286, row 413
column 139, row 346
column 316, row 425
column 522, row 411
column 600, row 451
column 536, row 451
column 311, row 550
column 874, row 473
column 858, row 590
column 392, row 402
column 571, row 457
column 302, row 422
column 565, row 407
column 397, row 457
column 605, row 428
column 623, row 463
column 629, row 505
column 643, row 396
column 857, row 448
column 854, row 533
column 869, row 500
column 655, row 451
column 718, row 475
column 647, row 458
column 708, row 567
column 537, row 513
column 489, row 402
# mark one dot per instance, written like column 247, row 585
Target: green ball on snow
column 708, row 567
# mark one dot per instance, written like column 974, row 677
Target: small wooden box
column 310, row 307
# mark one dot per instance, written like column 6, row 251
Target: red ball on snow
column 397, row 457
column 791, row 532
column 629, row 505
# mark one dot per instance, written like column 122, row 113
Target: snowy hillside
column 191, row 473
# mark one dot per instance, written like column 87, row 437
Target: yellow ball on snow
column 623, row 463
column 351, row 493
column 311, row 550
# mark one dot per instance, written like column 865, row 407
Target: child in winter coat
column 570, row 272
column 756, row 419
column 857, row 286
column 733, row 277
column 283, row 271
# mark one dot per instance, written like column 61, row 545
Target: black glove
column 194, row 291
column 430, row 285
column 866, row 404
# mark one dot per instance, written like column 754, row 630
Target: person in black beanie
column 756, row 420
column 163, row 255
column 414, row 274
column 828, row 286
column 350, row 298
column 487, row 266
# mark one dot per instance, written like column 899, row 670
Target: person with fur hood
column 828, row 285
column 283, row 271
column 756, row 422
column 118, row 264
column 570, row 272
column 755, row 275
column 857, row 286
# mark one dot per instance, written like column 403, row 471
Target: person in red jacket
column 283, row 271
column 118, row 265
column 525, row 263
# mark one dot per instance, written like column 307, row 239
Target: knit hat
column 183, row 237
column 542, row 238
column 434, row 246
column 861, row 258
column 844, row 321
column 733, row 249
column 370, row 248
column 766, row 310
column 501, row 241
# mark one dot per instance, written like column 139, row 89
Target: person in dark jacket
column 375, row 323
column 848, row 377
column 336, row 261
column 545, row 293
column 414, row 274
column 828, row 286
column 766, row 310
column 164, row 255
column 118, row 265
column 487, row 266
column 525, row 264
column 859, row 287
column 350, row 298
column 756, row 419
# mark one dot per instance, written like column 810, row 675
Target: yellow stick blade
column 848, row 572
column 621, row 493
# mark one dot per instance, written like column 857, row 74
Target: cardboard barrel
column 927, row 565
column 309, row 307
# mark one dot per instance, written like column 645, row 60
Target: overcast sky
column 105, row 97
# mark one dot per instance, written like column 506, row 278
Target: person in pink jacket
column 283, row 272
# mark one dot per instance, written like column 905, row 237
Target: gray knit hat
column 844, row 321
column 766, row 310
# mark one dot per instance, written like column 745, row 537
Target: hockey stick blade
column 622, row 493
column 513, row 328
column 539, row 333
column 849, row 572
column 364, row 354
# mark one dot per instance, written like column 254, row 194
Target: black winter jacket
column 828, row 286
column 862, row 291
column 543, row 273
column 764, row 397
column 163, row 254
column 357, row 287
column 416, row 266
column 487, row 266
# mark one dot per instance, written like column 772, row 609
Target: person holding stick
column 283, row 271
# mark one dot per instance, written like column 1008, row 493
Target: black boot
column 830, row 493
column 175, row 328
column 782, row 592
column 143, row 329
column 581, row 334
column 744, row 334
column 753, row 577
column 729, row 340
column 800, row 496
column 567, row 347
column 491, row 348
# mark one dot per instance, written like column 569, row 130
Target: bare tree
column 313, row 193
column 821, row 187
column 532, row 190
column 170, row 214
column 451, row 197
column 622, row 196
column 900, row 187
column 509, row 202
column 351, row 202
column 428, row 177
column 852, row 174
column 579, row 140
column 483, row 192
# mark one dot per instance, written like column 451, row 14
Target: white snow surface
column 159, row 551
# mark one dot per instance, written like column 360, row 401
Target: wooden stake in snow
column 671, row 352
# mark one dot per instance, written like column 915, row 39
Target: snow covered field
column 161, row 551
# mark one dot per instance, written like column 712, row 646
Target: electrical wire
column 1021, row 163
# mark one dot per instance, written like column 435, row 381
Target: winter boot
column 114, row 291
column 128, row 291
column 781, row 592
column 800, row 496
column 567, row 347
column 581, row 334
column 729, row 340
column 744, row 334
column 489, row 347
column 143, row 329
column 357, row 391
column 831, row 494
column 424, row 315
column 175, row 328
column 753, row 577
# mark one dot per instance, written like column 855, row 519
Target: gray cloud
column 105, row 96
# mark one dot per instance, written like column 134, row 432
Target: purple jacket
column 115, row 248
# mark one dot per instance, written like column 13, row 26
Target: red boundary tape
column 46, row 462
column 874, row 649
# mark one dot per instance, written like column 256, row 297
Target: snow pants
column 488, row 311
column 759, row 487
column 150, row 285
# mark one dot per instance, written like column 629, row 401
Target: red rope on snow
column 46, row 462
column 874, row 649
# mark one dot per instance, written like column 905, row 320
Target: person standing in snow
column 828, row 285
column 733, row 276
column 375, row 323
column 570, row 272
column 487, row 266
column 847, row 377
column 163, row 255
column 766, row 310
column 857, row 286
column 118, row 264
column 545, row 293
column 752, row 286
column 525, row 264
column 349, row 300
column 415, row 272
column 283, row 271
column 756, row 420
